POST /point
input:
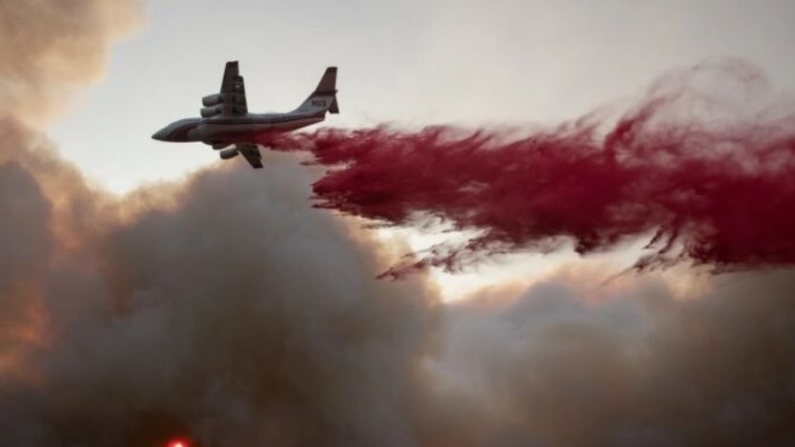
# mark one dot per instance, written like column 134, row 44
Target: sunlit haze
column 413, row 63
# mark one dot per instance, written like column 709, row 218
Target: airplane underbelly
column 231, row 133
column 249, row 132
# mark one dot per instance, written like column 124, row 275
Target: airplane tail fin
column 324, row 98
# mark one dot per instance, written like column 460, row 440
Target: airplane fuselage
column 232, row 130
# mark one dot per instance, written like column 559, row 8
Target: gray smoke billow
column 236, row 315
column 575, row 362
column 225, row 310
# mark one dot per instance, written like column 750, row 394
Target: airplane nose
column 161, row 135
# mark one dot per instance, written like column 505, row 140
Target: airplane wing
column 233, row 91
column 251, row 154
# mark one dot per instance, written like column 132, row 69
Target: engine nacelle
column 212, row 100
column 226, row 154
column 209, row 112
column 218, row 146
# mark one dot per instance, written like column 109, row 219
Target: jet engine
column 226, row 154
column 209, row 112
column 212, row 100
column 218, row 146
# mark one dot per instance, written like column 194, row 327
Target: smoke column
column 705, row 164
column 224, row 311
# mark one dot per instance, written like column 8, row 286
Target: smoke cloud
column 706, row 148
column 226, row 311
column 51, row 47
column 571, row 361
column 229, row 311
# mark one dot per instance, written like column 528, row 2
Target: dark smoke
column 705, row 164
column 225, row 311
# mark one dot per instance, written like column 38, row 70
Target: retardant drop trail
column 709, row 170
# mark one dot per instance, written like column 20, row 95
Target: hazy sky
column 412, row 61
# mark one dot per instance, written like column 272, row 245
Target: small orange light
column 178, row 443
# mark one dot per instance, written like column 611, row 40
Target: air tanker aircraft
column 226, row 122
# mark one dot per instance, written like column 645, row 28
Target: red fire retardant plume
column 711, row 175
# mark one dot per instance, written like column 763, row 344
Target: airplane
column 225, row 120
